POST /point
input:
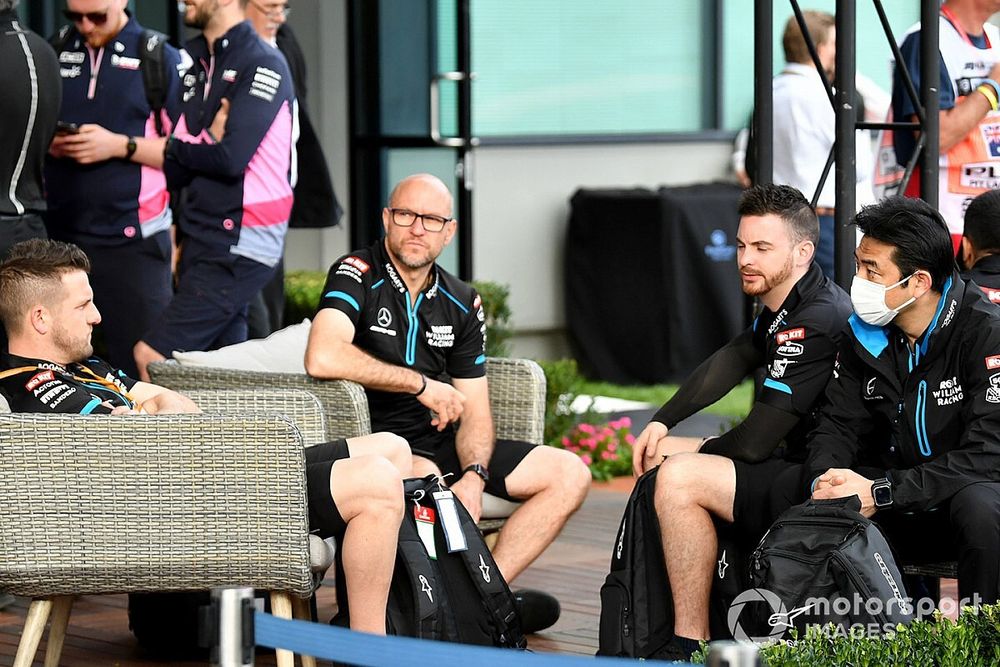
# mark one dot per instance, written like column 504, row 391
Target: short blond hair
column 32, row 273
column 819, row 24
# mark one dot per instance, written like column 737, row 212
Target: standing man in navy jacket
column 237, row 181
column 100, row 196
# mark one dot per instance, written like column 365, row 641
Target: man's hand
column 844, row 483
column 644, row 454
column 124, row 410
column 91, row 144
column 218, row 127
column 446, row 402
column 469, row 490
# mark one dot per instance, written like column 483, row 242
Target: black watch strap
column 130, row 148
column 479, row 469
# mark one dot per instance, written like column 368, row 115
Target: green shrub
column 497, row 310
column 304, row 288
column 971, row 641
column 302, row 292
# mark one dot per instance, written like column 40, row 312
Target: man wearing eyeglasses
column 394, row 321
column 101, row 196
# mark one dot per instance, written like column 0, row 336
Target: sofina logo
column 720, row 249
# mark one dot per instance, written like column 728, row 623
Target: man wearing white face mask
column 911, row 423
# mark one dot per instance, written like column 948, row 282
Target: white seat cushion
column 282, row 352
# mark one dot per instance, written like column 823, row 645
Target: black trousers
column 966, row 529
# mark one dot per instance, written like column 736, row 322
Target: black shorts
column 507, row 455
column 763, row 491
column 324, row 517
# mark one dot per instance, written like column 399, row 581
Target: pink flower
column 586, row 459
column 624, row 422
column 607, row 456
column 566, row 441
column 630, row 439
column 612, row 446
column 586, row 428
column 589, row 443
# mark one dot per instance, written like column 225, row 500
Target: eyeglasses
column 274, row 11
column 405, row 218
column 97, row 18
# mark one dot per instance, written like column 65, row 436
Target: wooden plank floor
column 572, row 569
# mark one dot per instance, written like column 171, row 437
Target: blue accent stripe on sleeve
column 481, row 359
column 89, row 407
column 336, row 294
column 378, row 284
column 778, row 386
column 457, row 302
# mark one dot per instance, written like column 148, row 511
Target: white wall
column 521, row 208
column 521, row 201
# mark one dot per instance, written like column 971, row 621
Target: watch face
column 882, row 495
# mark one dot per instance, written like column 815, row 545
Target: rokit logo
column 791, row 334
column 993, row 363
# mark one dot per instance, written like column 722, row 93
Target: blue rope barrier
column 358, row 648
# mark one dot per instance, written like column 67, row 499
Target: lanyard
column 950, row 16
column 129, row 399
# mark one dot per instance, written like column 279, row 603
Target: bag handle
column 852, row 503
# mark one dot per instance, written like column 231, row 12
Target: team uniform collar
column 14, row 361
column 988, row 264
column 382, row 256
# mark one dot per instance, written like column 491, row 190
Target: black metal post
column 464, row 158
column 763, row 65
column 929, row 92
column 845, row 146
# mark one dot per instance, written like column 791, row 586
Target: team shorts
column 507, row 455
column 324, row 517
column 763, row 491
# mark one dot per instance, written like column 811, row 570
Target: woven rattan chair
column 101, row 504
column 517, row 400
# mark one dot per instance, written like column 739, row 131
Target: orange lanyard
column 129, row 399
column 950, row 16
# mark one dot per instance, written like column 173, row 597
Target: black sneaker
column 538, row 610
column 671, row 652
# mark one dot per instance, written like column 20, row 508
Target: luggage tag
column 453, row 535
column 424, row 517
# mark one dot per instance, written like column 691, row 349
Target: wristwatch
column 130, row 148
column 479, row 470
column 882, row 492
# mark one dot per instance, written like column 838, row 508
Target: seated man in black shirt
column 979, row 252
column 911, row 420
column 354, row 486
column 394, row 321
column 730, row 477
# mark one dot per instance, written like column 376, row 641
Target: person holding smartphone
column 105, row 195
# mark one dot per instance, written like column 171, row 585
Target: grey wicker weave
column 101, row 504
column 517, row 394
column 301, row 407
column 344, row 403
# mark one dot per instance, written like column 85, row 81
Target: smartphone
column 67, row 128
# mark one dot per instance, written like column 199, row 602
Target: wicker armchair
column 100, row 504
column 517, row 400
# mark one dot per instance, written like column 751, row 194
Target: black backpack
column 637, row 612
column 822, row 561
column 459, row 596
column 152, row 64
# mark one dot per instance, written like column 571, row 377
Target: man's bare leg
column 386, row 445
column 553, row 483
column 690, row 489
column 368, row 493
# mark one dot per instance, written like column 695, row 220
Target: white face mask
column 869, row 300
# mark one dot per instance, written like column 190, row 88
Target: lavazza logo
column 768, row 618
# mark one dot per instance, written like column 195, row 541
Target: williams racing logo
column 440, row 335
column 948, row 392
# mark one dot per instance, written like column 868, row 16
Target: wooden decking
column 572, row 569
